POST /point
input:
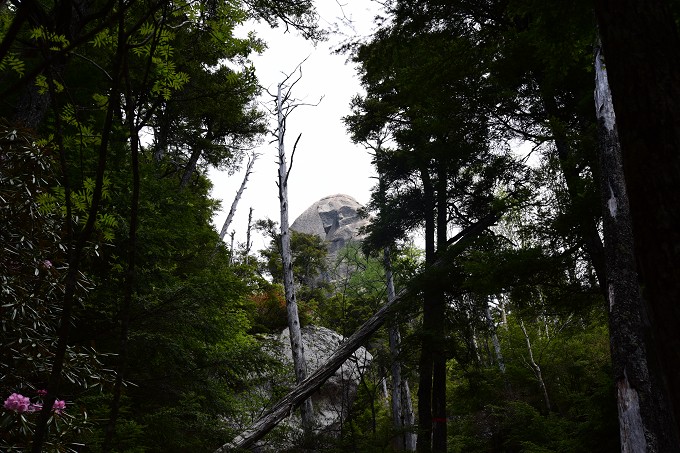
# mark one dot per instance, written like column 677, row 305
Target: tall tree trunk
column 425, row 362
column 439, row 419
column 249, row 242
column 641, row 43
column 402, row 409
column 536, row 368
column 296, row 344
column 644, row 420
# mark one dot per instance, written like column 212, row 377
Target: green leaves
column 55, row 201
column 15, row 64
column 52, row 40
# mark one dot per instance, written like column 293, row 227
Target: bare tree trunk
column 644, row 419
column 402, row 407
column 426, row 360
column 296, row 345
column 504, row 313
column 237, row 198
column 439, row 418
column 536, row 368
column 248, row 235
column 494, row 339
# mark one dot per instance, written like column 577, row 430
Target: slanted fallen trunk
column 315, row 380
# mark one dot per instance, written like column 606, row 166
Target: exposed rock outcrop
column 334, row 399
column 331, row 402
column 335, row 219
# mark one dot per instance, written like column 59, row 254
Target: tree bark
column 305, row 389
column 190, row 167
column 425, row 362
column 644, row 421
column 642, row 46
column 296, row 344
column 439, row 418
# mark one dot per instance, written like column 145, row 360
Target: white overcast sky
column 326, row 162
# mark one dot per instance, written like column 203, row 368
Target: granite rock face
column 335, row 219
column 334, row 399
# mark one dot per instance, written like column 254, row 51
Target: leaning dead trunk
column 237, row 198
column 296, row 345
column 644, row 420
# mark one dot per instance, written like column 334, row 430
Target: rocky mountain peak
column 334, row 218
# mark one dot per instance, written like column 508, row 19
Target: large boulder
column 331, row 402
column 334, row 399
column 335, row 219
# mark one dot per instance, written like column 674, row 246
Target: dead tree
column 285, row 105
column 232, row 210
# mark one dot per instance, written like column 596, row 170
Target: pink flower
column 47, row 264
column 59, row 406
column 41, row 392
column 37, row 407
column 17, row 403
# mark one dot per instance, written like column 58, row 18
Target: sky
column 326, row 161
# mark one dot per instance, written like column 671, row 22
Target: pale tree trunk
column 504, row 313
column 231, row 246
column 494, row 339
column 237, row 198
column 402, row 408
column 296, row 345
column 644, row 420
column 248, row 235
column 536, row 368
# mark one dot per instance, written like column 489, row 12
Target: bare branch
column 292, row 156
